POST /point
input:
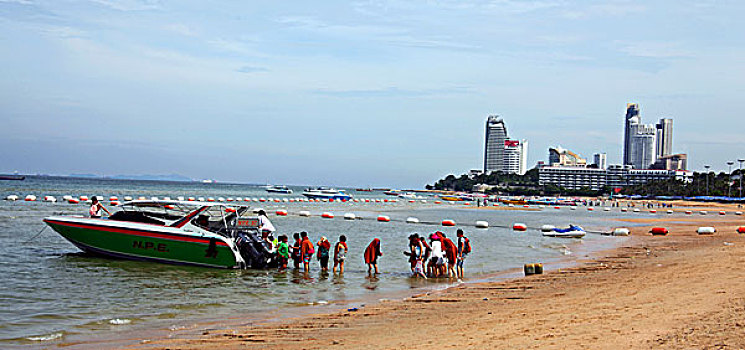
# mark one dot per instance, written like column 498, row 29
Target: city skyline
column 380, row 93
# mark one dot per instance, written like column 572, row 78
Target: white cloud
column 649, row 49
column 179, row 28
column 129, row 5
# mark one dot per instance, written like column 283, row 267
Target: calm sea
column 51, row 293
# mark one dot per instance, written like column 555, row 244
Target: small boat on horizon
column 278, row 189
column 173, row 232
column 326, row 193
column 13, row 177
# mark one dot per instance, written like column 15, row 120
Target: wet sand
column 677, row 291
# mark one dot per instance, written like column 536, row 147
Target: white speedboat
column 408, row 195
column 326, row 193
column 571, row 232
column 278, row 189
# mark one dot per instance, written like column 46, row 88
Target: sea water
column 52, row 293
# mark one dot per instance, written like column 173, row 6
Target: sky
column 357, row 93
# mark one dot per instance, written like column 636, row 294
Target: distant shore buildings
column 500, row 152
column 647, row 156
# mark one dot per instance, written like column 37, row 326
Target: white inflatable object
column 349, row 216
column 620, row 231
column 30, row 198
column 547, row 228
column 12, row 197
column 706, row 230
column 412, row 220
column 482, row 224
column 304, row 213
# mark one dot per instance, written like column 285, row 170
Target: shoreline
column 334, row 327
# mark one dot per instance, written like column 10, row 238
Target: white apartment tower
column 515, row 157
column 496, row 135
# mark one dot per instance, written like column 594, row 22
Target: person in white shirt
column 265, row 226
column 436, row 262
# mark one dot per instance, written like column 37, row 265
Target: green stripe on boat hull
column 142, row 247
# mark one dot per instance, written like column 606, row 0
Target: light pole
column 729, row 176
column 707, row 178
column 741, row 160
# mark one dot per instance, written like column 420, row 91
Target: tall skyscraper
column 496, row 135
column 664, row 137
column 643, row 150
column 632, row 117
column 601, row 160
column 515, row 157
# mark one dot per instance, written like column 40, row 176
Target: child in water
column 340, row 254
column 283, row 252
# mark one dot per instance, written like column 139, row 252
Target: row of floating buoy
column 114, row 200
column 703, row 230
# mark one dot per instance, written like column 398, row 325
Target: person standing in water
column 324, row 247
column 296, row 251
column 464, row 247
column 451, row 253
column 96, row 207
column 306, row 250
column 283, row 252
column 340, row 254
column 371, row 255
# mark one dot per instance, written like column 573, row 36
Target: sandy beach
column 677, row 291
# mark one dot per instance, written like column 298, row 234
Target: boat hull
column 149, row 244
column 570, row 234
column 327, row 196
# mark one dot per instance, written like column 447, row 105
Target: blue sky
column 368, row 93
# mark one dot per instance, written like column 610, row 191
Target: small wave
column 46, row 337
column 120, row 321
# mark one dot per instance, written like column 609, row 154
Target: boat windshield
column 219, row 219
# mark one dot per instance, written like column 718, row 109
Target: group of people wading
column 441, row 257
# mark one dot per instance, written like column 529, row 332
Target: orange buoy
column 519, row 227
column 113, row 199
column 526, row 206
column 383, row 218
column 689, row 212
column 85, row 198
column 653, row 211
column 658, row 231
column 448, row 222
column 741, row 229
column 438, row 202
column 327, row 215
column 467, row 203
column 114, row 203
column 557, row 207
column 722, row 212
column 590, row 209
column 281, row 212
column 73, row 201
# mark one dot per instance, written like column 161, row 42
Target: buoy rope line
column 36, row 235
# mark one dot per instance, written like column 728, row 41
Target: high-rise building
column 664, row 137
column 671, row 162
column 558, row 156
column 496, row 135
column 515, row 157
column 601, row 160
column 632, row 117
column 643, row 145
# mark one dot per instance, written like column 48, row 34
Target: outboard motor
column 254, row 250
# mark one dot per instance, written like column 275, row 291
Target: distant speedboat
column 208, row 181
column 278, row 189
column 408, row 195
column 326, row 193
column 12, row 177
column 392, row 192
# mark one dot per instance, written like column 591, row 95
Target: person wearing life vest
column 372, row 252
column 451, row 254
column 324, row 248
column 283, row 252
column 464, row 248
column 306, row 250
